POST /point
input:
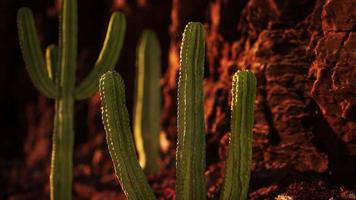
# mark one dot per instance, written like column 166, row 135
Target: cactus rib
column 32, row 55
column 238, row 163
column 119, row 138
column 108, row 56
column 148, row 102
column 191, row 138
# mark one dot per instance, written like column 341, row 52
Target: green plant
column 119, row 138
column 191, row 139
column 147, row 110
column 238, row 163
column 58, row 81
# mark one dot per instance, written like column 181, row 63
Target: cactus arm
column 52, row 62
column 191, row 138
column 119, row 138
column 32, row 55
column 108, row 56
column 148, row 102
column 238, row 163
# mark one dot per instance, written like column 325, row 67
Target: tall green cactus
column 238, row 163
column 55, row 79
column 119, row 138
column 147, row 110
column 191, row 138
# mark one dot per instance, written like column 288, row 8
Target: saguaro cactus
column 238, row 163
column 58, row 81
column 191, row 138
column 119, row 138
column 147, row 110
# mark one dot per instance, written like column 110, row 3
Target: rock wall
column 303, row 54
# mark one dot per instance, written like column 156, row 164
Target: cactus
column 148, row 102
column 191, row 138
column 190, row 154
column 238, row 163
column 55, row 79
column 119, row 138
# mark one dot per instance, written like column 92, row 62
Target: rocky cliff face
column 303, row 53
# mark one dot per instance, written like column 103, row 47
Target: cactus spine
column 148, row 102
column 238, row 163
column 119, row 138
column 55, row 78
column 191, row 138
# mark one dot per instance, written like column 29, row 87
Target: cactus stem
column 238, row 163
column 191, row 138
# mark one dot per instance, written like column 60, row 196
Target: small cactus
column 191, row 138
column 238, row 163
column 119, row 138
column 55, row 79
column 148, row 102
